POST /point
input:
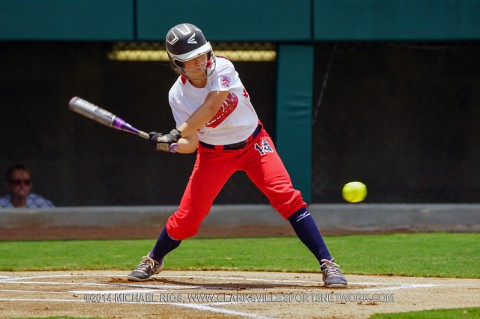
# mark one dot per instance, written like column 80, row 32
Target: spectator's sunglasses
column 18, row 182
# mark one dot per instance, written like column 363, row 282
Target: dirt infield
column 220, row 294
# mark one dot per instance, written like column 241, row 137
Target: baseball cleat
column 332, row 276
column 147, row 268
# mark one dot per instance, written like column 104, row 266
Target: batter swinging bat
column 102, row 116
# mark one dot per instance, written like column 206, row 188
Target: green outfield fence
column 383, row 91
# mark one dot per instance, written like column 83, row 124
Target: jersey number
column 265, row 148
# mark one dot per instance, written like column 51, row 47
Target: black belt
column 234, row 146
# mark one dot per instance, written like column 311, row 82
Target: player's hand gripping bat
column 102, row 116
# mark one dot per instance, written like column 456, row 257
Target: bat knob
column 173, row 148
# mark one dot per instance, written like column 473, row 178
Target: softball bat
column 102, row 116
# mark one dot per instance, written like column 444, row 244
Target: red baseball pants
column 213, row 168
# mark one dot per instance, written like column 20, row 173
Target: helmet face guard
column 185, row 42
column 207, row 69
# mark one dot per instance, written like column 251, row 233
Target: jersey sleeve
column 178, row 112
column 178, row 115
column 225, row 76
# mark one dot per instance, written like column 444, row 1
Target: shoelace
column 146, row 262
column 332, row 268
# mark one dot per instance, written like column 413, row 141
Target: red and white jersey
column 234, row 122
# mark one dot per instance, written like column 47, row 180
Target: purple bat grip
column 120, row 124
column 173, row 148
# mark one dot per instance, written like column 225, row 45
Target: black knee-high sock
column 163, row 246
column 307, row 231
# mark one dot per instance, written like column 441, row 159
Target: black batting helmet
column 185, row 42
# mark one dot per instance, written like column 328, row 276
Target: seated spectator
column 18, row 181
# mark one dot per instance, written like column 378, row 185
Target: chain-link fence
column 79, row 162
column 402, row 117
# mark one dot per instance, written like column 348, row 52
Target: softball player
column 214, row 116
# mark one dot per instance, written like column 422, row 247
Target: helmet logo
column 192, row 39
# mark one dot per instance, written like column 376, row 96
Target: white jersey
column 234, row 122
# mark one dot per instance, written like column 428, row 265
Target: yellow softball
column 354, row 192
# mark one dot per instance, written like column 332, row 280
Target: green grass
column 435, row 254
column 458, row 313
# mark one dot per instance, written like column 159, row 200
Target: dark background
column 76, row 161
column 403, row 117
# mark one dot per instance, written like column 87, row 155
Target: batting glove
column 153, row 136
column 165, row 143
